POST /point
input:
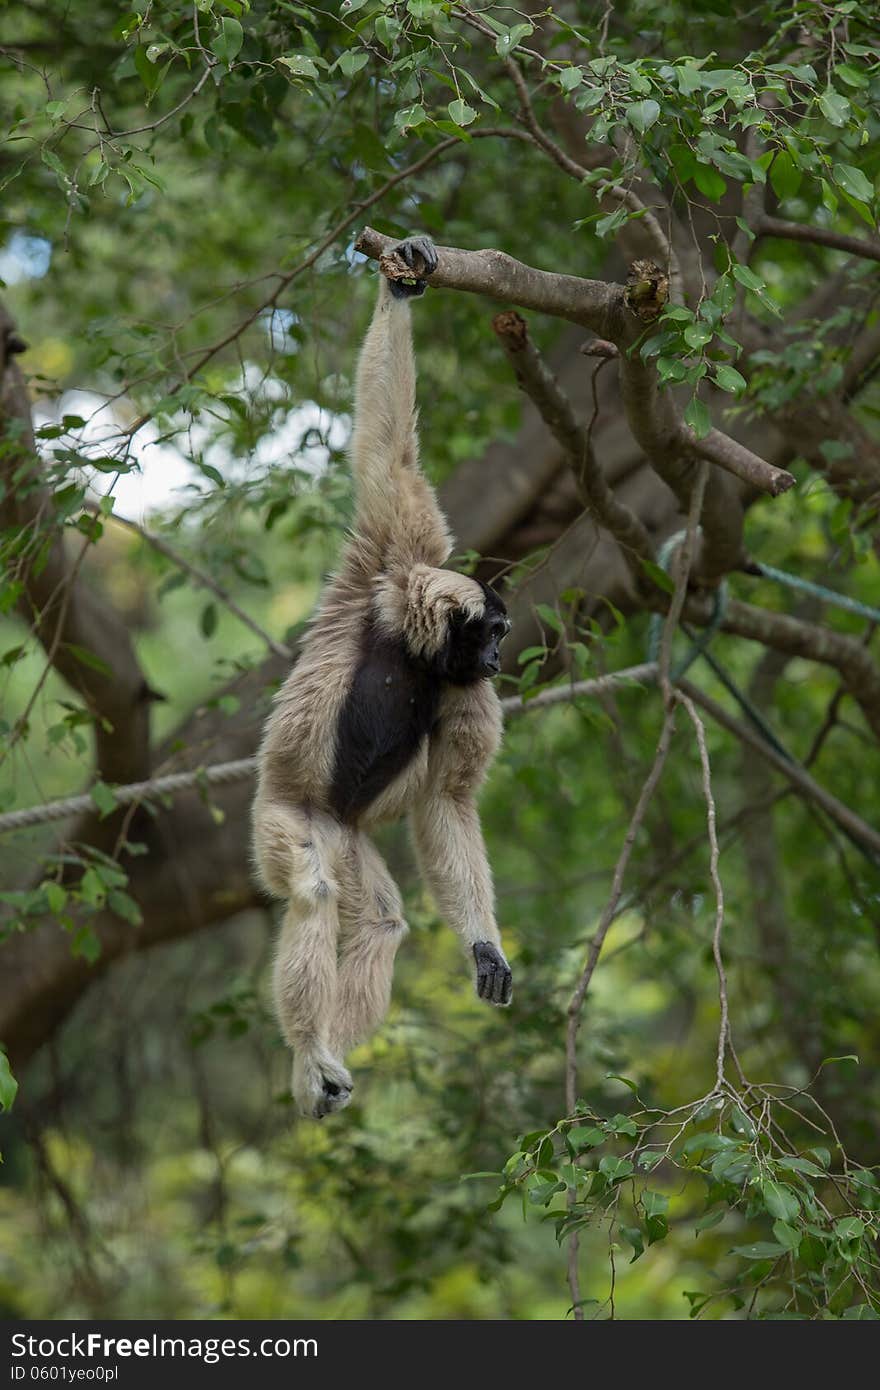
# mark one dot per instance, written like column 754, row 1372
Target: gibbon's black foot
column 321, row 1084
column 418, row 253
column 494, row 980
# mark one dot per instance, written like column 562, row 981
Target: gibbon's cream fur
column 386, row 713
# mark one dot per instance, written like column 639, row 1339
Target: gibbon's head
column 450, row 622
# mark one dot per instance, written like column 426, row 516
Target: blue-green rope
column 807, row 586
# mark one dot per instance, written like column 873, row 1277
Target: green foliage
column 588, row 1171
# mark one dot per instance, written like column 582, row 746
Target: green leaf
column 612, row 1075
column 659, row 576
column 739, row 1120
column 616, row 1169
column 827, row 1061
column 92, row 888
column 410, row 117
column 611, row 221
column 208, row 620
column 801, row 1165
column 461, row 113
column 633, row 1236
column 350, row 63
column 697, row 335
column 585, row 1136
column 148, row 72
column 226, row 45
column 642, row 114
column 761, row 1250
column 126, row 908
column 785, row 176
column 87, row 658
column 709, row 181
column 851, row 76
column 748, row 278
column 655, row 1203
column 570, row 78
column 507, row 42
column 711, row 1218
column 834, row 107
column 299, row 65
column 729, row 379
column 387, row 30
column 780, row 1201
column 853, row 182
column 786, row 1235
column 689, row 79
column 849, row 1228
column 56, row 896
column 8, row 1083
column 103, row 797
column 698, row 417
column 549, row 616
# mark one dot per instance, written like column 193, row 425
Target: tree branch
column 540, row 385
column 68, row 616
column 618, row 313
column 800, row 779
column 818, row 236
column 799, row 638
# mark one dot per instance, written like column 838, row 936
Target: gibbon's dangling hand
column 388, row 712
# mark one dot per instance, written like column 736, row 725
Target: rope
column 219, row 774
column 806, row 586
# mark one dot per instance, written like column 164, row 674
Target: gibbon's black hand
column 494, row 980
column 418, row 253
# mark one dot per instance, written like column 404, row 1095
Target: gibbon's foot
column 321, row 1084
column 418, row 253
column 494, row 980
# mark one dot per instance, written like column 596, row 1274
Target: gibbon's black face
column 472, row 651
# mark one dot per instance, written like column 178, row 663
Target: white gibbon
column 389, row 711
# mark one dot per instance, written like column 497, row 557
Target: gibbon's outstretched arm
column 397, row 518
column 452, row 855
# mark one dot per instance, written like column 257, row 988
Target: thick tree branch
column 590, row 303
column 615, row 312
column 540, row 385
column 68, row 616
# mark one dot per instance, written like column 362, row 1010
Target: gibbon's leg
column 396, row 510
column 452, row 855
column 371, row 929
column 305, row 976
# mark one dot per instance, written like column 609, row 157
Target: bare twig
column 724, row 1025
column 577, row 998
column 683, row 562
column 206, row 581
column 818, row 236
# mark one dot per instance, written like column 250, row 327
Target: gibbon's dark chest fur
column 390, row 708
